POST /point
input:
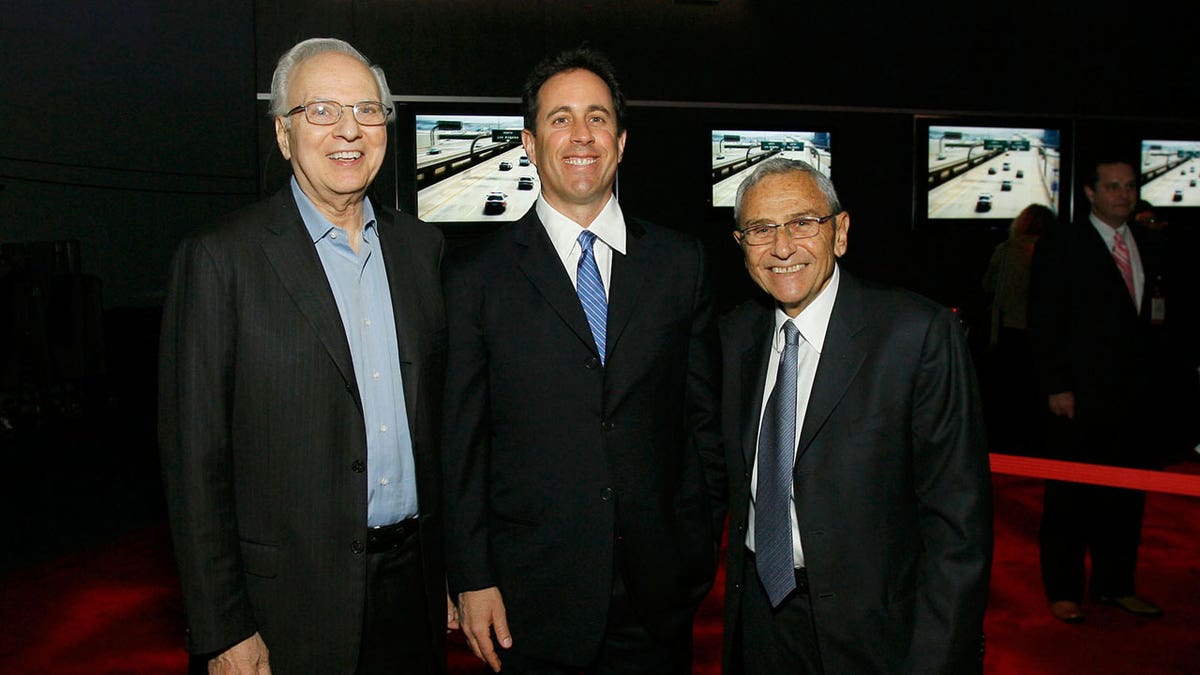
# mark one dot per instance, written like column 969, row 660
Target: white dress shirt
column 609, row 228
column 812, row 323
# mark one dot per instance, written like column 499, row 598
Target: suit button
column 357, row 546
column 607, row 425
column 592, row 363
column 358, row 466
column 606, row 495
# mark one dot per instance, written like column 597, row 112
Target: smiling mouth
column 788, row 270
column 580, row 161
column 351, row 155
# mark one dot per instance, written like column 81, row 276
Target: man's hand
column 1063, row 404
column 481, row 613
column 451, row 614
column 248, row 657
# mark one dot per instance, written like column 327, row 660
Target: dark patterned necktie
column 776, row 454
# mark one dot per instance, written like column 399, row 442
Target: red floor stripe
column 1078, row 472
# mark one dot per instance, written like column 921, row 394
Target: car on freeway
column 1020, row 173
column 506, row 166
column 720, row 156
column 1006, row 186
column 435, row 151
column 495, row 203
column 523, row 161
column 984, row 203
column 1192, row 183
column 941, row 157
column 991, row 171
column 1007, row 166
column 1178, row 196
column 525, row 183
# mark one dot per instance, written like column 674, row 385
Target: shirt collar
column 813, row 321
column 609, row 227
column 318, row 225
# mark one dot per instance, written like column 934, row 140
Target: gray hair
column 306, row 50
column 783, row 165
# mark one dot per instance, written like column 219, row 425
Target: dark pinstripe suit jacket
column 262, row 435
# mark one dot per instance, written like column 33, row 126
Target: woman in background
column 1014, row 405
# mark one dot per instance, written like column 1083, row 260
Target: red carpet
column 115, row 608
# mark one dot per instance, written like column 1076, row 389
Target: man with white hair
column 301, row 370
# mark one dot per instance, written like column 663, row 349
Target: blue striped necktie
column 591, row 291
column 776, row 455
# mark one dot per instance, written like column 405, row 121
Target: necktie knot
column 1121, row 256
column 791, row 334
column 586, row 239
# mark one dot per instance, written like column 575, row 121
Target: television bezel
column 922, row 125
column 1175, row 135
column 785, row 128
column 410, row 184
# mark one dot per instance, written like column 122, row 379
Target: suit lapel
column 539, row 262
column 406, row 303
column 755, row 359
column 629, row 274
column 840, row 360
column 291, row 253
column 1102, row 257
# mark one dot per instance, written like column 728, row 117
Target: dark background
column 128, row 124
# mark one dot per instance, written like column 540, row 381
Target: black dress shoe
column 1066, row 610
column 1135, row 605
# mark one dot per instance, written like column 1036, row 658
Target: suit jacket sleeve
column 1050, row 314
column 704, row 396
column 953, row 487
column 465, row 433
column 195, row 388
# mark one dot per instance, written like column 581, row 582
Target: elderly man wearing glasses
column 301, row 369
column 860, row 521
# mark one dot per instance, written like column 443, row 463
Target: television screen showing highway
column 472, row 168
column 1169, row 173
column 735, row 151
column 991, row 172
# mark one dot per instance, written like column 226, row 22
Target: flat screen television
column 1169, row 172
column 734, row 152
column 989, row 170
column 471, row 168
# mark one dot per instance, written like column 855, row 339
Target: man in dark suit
column 302, row 362
column 1097, row 352
column 580, row 525
column 860, row 521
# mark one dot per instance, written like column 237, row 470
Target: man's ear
column 282, row 138
column 527, row 139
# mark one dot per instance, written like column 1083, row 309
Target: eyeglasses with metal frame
column 324, row 112
column 797, row 228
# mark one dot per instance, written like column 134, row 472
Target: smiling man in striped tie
column 582, row 410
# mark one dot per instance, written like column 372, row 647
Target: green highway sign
column 506, row 135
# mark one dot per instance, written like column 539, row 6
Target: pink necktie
column 1121, row 256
